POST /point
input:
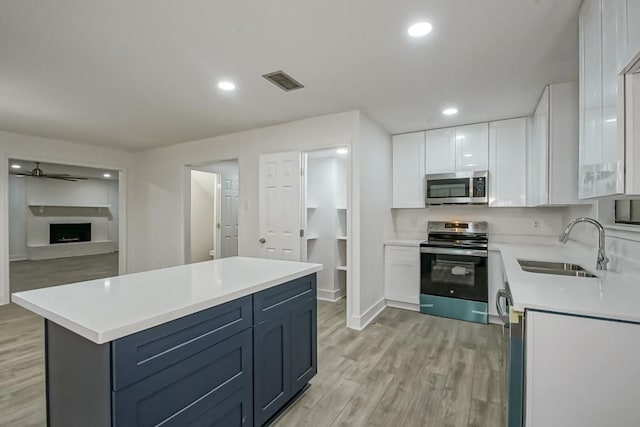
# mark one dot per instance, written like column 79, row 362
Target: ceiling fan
column 39, row 173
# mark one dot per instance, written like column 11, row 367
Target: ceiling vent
column 283, row 81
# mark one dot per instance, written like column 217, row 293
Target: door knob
column 262, row 240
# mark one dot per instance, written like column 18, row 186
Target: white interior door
column 229, row 216
column 280, row 205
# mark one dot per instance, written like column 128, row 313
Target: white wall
column 91, row 192
column 202, row 214
column 15, row 146
column 371, row 222
column 505, row 224
column 18, row 212
column 158, row 210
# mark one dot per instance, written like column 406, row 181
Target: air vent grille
column 283, row 81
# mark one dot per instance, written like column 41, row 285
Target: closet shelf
column 312, row 238
column 341, row 237
column 342, row 268
column 341, row 208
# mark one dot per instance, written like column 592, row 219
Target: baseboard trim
column 361, row 322
column 332, row 296
column 403, row 305
column 18, row 258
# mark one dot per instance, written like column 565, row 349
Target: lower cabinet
column 285, row 345
column 237, row 364
column 402, row 276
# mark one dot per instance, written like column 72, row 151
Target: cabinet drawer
column 140, row 355
column 271, row 300
column 191, row 389
column 404, row 253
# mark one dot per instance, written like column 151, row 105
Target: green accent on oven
column 454, row 308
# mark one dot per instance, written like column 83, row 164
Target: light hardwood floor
column 406, row 369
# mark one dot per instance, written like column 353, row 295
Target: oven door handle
column 502, row 312
column 452, row 251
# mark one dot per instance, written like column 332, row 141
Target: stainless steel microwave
column 460, row 188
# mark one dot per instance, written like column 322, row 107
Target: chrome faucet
column 602, row 256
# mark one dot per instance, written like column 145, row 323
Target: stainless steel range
column 453, row 270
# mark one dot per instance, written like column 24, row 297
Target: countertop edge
column 108, row 335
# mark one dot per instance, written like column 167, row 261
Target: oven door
column 454, row 273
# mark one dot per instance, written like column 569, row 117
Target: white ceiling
column 135, row 74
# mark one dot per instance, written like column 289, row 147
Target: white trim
column 19, row 257
column 403, row 305
column 361, row 322
column 494, row 320
column 329, row 295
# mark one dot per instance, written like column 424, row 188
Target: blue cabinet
column 236, row 364
column 285, row 345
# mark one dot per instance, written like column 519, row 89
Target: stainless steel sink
column 557, row 268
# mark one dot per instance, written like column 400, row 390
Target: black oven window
column 446, row 188
column 454, row 273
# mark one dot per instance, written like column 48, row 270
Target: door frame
column 5, row 285
column 186, row 185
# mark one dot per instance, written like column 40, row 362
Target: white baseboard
column 21, row 257
column 403, row 305
column 361, row 322
column 330, row 295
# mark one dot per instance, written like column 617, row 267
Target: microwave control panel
column 479, row 187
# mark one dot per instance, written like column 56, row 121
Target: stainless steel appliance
column 457, row 188
column 453, row 270
column 515, row 321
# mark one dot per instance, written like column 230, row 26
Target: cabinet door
column 507, row 163
column 611, row 171
column 628, row 32
column 304, row 344
column 581, row 371
column 590, row 153
column 633, row 30
column 408, row 170
column 537, row 154
column 402, row 274
column 271, row 365
column 440, row 149
column 472, row 147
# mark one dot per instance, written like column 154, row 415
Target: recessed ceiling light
column 461, row 136
column 450, row 111
column 15, row 166
column 342, row 151
column 611, row 120
column 420, row 29
column 106, row 175
column 226, row 85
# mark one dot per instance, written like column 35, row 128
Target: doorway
column 213, row 211
column 63, row 224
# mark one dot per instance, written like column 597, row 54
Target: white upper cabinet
column 601, row 170
column 440, row 150
column 408, row 170
column 472, row 147
column 552, row 149
column 628, row 32
column 507, row 163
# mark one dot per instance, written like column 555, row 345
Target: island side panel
column 78, row 379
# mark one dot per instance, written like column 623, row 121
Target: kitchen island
column 225, row 342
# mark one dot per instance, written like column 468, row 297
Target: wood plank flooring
column 406, row 369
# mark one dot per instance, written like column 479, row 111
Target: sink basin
column 557, row 268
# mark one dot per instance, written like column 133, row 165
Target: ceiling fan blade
column 20, row 173
column 61, row 178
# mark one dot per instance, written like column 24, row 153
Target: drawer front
column 274, row 299
column 404, row 253
column 189, row 391
column 235, row 411
column 140, row 355
column 454, row 308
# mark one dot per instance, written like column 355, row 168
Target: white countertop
column 107, row 309
column 403, row 242
column 610, row 295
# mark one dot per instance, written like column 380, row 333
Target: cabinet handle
column 502, row 313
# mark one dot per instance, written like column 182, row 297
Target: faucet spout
column 602, row 261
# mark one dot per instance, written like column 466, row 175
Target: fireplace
column 69, row 233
